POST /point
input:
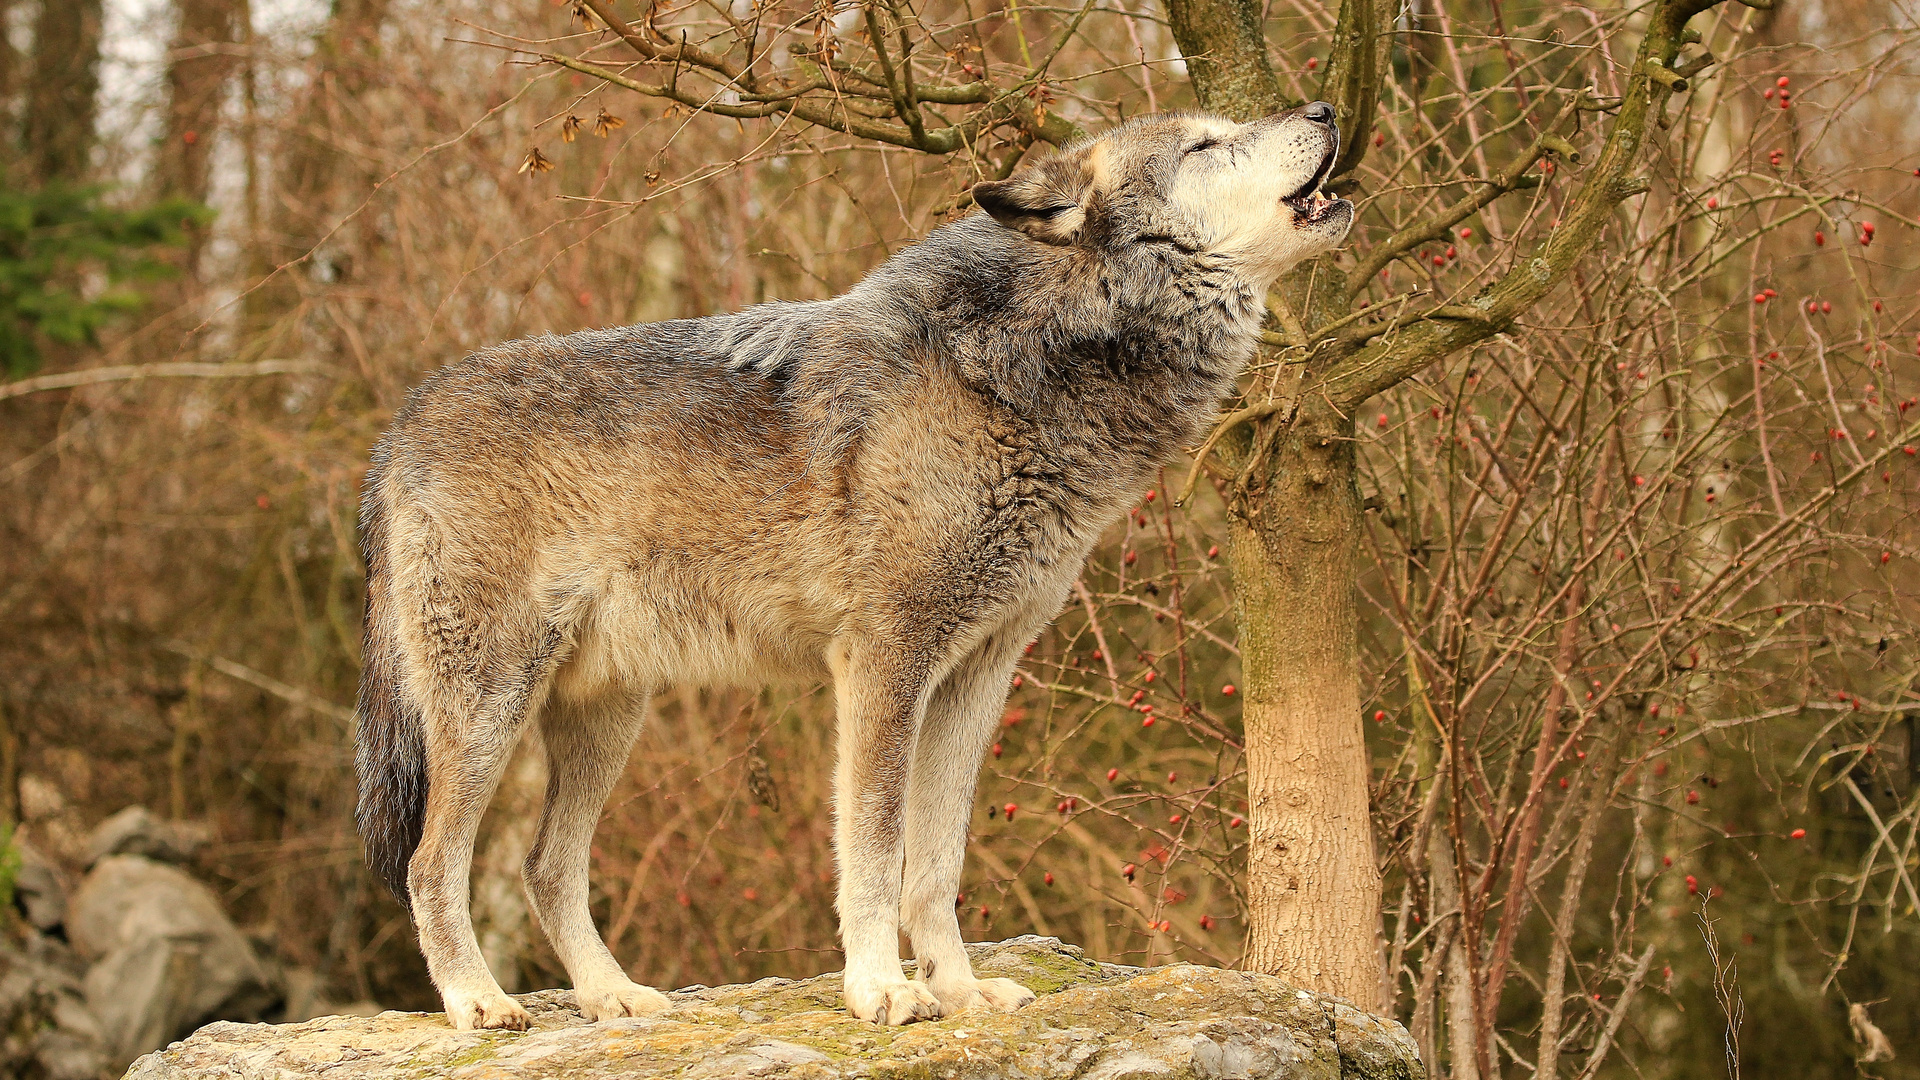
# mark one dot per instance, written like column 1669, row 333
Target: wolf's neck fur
column 1146, row 342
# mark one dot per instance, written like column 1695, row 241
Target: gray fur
column 893, row 489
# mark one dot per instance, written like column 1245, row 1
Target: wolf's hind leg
column 961, row 720
column 587, row 747
column 465, row 757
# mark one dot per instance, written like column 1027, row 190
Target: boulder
column 46, row 1031
column 164, row 956
column 38, row 889
column 135, row 831
column 1092, row 1021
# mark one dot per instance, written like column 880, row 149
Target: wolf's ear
column 1046, row 203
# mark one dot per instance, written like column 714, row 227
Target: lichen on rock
column 1092, row 1021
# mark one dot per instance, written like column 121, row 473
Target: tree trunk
column 1226, row 56
column 1313, row 888
column 204, row 57
column 57, row 130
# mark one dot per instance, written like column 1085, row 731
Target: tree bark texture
column 1226, row 56
column 1313, row 888
column 57, row 128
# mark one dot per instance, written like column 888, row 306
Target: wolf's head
column 1250, row 192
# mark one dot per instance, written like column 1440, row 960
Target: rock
column 135, row 831
column 46, row 1031
column 1091, row 1022
column 165, row 957
column 38, row 889
column 304, row 1000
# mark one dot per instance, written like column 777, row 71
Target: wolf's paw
column 607, row 1001
column 896, row 1002
column 486, row 1010
column 998, row 995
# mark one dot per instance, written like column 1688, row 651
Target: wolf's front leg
column 960, row 723
column 879, row 695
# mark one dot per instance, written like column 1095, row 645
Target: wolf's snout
column 1319, row 112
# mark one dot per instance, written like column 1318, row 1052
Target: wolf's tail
column 390, row 751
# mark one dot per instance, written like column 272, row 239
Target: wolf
column 893, row 490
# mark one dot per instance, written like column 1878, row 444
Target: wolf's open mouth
column 1308, row 202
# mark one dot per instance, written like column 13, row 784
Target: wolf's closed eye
column 1203, row 144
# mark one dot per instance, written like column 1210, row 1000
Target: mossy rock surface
column 1092, row 1022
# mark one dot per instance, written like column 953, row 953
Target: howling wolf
column 894, row 489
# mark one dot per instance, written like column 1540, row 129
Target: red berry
column 1379, row 715
column 1819, row 238
column 1639, row 481
column 1767, row 93
column 1148, row 722
column 1227, row 690
column 1693, row 798
column 1312, row 62
column 1206, row 922
column 1048, row 877
column 1439, row 260
column 1127, row 871
column 1798, row 834
column 1008, row 810
column 1152, row 494
column 1826, row 307
column 1886, row 557
column 998, row 749
column 1380, row 139
column 1112, row 775
column 1213, row 552
column 1693, row 885
column 1781, row 81
column 1235, row 823
column 1563, row 783
column 1713, row 202
column 1759, row 298
column 1452, row 252
column 1867, row 227
column 1666, row 860
column 1173, row 819
column 1383, row 419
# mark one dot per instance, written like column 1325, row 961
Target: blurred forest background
column 1672, row 512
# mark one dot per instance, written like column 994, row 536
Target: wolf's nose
column 1319, row 112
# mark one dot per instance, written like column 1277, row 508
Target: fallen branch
column 67, row 380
